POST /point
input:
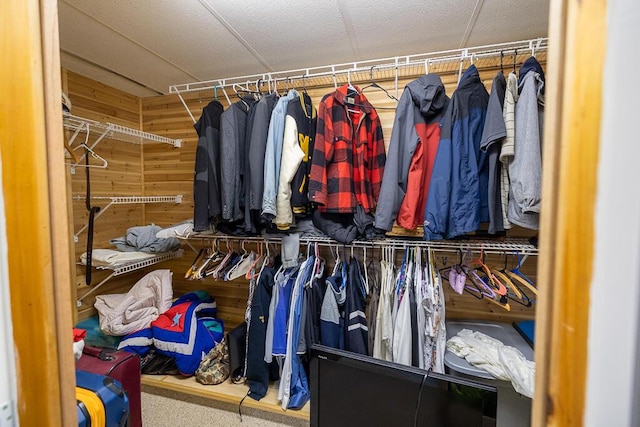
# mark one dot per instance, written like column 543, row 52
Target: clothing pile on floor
column 121, row 314
column 170, row 336
column 186, row 332
column 502, row 362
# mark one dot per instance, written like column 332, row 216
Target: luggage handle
column 102, row 353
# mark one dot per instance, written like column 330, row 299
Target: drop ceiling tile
column 83, row 68
column 290, row 34
column 183, row 34
column 390, row 28
column 505, row 21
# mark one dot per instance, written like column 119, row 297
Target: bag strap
column 92, row 212
column 102, row 353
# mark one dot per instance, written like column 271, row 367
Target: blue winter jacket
column 458, row 194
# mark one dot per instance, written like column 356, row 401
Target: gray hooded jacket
column 422, row 101
column 525, row 170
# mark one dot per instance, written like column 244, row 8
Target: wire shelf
column 383, row 68
column 489, row 246
column 114, row 131
column 124, row 200
column 120, row 269
column 137, row 265
column 127, row 200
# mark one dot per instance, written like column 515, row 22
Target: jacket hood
column 531, row 64
column 470, row 77
column 428, row 94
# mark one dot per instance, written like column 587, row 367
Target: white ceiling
column 144, row 46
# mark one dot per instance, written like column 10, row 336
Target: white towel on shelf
column 111, row 258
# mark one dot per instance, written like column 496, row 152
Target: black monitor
column 351, row 390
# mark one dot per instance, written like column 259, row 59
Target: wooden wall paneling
column 123, row 176
column 102, row 102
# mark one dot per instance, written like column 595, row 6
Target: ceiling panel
column 183, row 35
column 505, row 20
column 290, row 34
column 84, row 38
column 104, row 76
column 390, row 28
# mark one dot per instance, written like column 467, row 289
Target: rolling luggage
column 102, row 401
column 120, row 365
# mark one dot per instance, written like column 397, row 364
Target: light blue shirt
column 273, row 153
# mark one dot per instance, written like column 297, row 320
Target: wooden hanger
column 521, row 278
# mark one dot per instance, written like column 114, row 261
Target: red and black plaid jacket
column 348, row 156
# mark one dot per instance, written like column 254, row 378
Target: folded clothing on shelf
column 143, row 239
column 183, row 229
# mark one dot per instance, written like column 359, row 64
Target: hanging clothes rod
column 423, row 59
column 488, row 246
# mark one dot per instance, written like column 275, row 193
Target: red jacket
column 411, row 213
column 348, row 156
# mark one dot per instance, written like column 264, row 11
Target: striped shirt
column 508, row 146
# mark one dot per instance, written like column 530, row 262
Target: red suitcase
column 120, row 365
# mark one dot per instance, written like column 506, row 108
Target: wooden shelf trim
column 226, row 392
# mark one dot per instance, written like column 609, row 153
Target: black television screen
column 349, row 389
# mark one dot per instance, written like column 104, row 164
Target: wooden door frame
column 38, row 235
column 577, row 46
column 39, row 238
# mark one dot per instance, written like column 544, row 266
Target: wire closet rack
column 488, row 246
column 382, row 69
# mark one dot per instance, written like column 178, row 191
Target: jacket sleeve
column 257, row 150
column 436, row 213
column 377, row 159
column 292, row 156
column 394, row 181
column 270, row 182
column 201, row 180
column 227, row 164
column 322, row 153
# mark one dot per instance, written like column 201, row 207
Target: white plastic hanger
column 88, row 150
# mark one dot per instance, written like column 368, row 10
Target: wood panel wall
column 123, row 176
column 169, row 171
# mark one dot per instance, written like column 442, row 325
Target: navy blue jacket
column 357, row 330
column 257, row 368
column 458, row 194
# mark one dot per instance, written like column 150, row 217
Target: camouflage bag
column 214, row 368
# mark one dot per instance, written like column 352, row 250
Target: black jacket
column 257, row 368
column 206, row 183
column 304, row 114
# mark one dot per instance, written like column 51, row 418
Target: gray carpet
column 166, row 408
